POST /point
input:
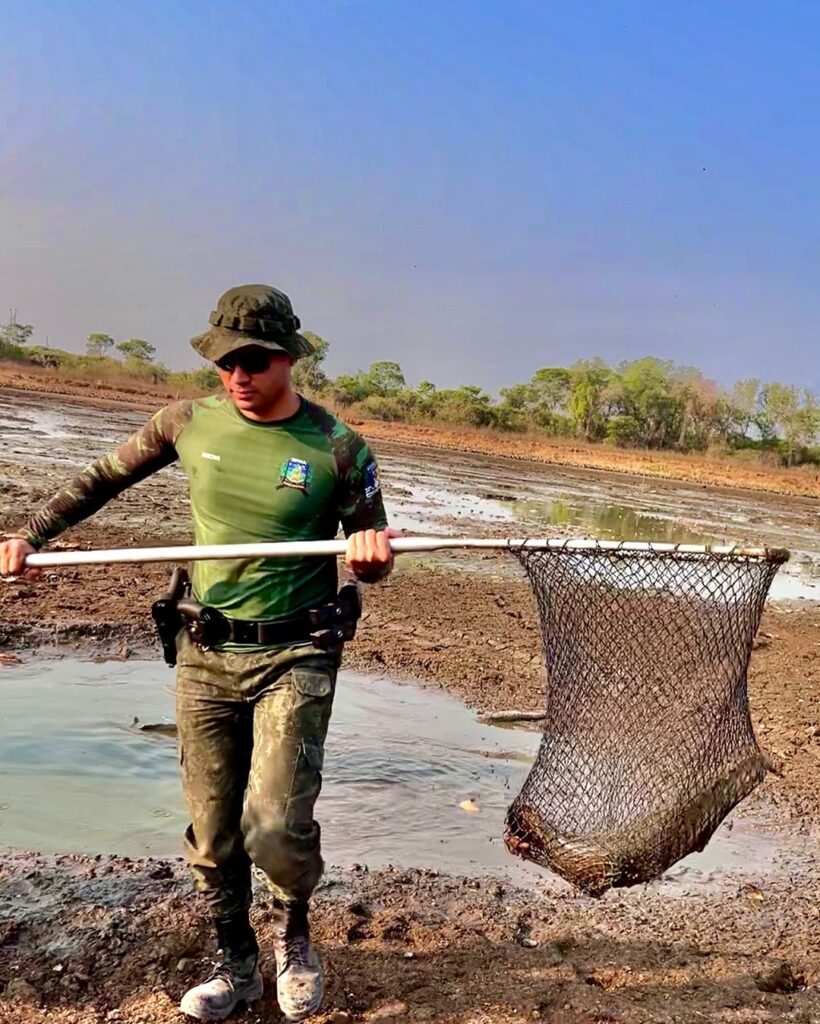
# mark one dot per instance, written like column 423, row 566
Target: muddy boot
column 299, row 981
column 236, row 977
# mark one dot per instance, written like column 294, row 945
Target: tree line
column 103, row 358
column 650, row 402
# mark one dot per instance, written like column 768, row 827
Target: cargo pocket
column 313, row 689
column 313, row 682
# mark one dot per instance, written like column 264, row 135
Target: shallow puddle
column 80, row 773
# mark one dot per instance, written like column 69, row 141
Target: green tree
column 207, row 378
column 12, row 333
column 467, row 404
column 137, row 348
column 348, row 389
column 424, row 397
column 514, row 411
column 385, row 378
column 587, row 405
column 794, row 415
column 623, row 430
column 99, row 344
column 542, row 402
column 551, row 387
column 308, row 374
column 744, row 401
column 644, row 390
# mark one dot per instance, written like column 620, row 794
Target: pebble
column 340, row 1017
column 161, row 871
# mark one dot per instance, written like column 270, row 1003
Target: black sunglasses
column 254, row 360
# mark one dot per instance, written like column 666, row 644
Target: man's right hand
column 13, row 558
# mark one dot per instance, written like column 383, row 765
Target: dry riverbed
column 87, row 941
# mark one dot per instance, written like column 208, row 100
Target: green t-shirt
column 293, row 479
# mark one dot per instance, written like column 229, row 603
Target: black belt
column 327, row 626
column 291, row 629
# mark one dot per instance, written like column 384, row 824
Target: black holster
column 165, row 612
column 333, row 624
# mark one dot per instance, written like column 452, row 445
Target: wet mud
column 86, row 941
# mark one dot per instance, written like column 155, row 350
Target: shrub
column 623, row 430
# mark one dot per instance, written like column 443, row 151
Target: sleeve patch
column 372, row 484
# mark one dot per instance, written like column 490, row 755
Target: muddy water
column 438, row 492
column 80, row 773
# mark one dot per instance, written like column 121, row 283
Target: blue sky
column 473, row 189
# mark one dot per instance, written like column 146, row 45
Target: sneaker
column 299, row 980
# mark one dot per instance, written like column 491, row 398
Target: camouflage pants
column 252, row 730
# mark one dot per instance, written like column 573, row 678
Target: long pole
column 400, row 545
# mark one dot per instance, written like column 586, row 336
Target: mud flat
column 86, row 940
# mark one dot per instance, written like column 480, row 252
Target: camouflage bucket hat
column 252, row 314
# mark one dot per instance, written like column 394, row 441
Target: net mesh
column 647, row 742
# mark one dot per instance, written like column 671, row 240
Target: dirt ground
column 86, row 941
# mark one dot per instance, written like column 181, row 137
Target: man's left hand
column 369, row 556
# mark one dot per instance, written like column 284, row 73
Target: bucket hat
column 252, row 314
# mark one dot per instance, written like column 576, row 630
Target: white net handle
column 400, row 545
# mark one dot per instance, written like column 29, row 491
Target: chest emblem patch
column 296, row 473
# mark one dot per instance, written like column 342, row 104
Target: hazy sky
column 474, row 189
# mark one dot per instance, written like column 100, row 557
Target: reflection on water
column 606, row 522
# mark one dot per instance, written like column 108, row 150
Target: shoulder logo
column 372, row 484
column 295, row 473
column 211, row 457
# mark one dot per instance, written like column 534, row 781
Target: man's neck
column 281, row 408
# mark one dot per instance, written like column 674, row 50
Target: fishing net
column 647, row 743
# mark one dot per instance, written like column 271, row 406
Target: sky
column 473, row 189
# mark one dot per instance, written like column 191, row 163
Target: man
column 263, row 464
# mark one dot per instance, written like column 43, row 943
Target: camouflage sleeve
column 150, row 449
column 360, row 497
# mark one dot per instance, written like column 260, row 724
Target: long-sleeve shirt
column 293, row 479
